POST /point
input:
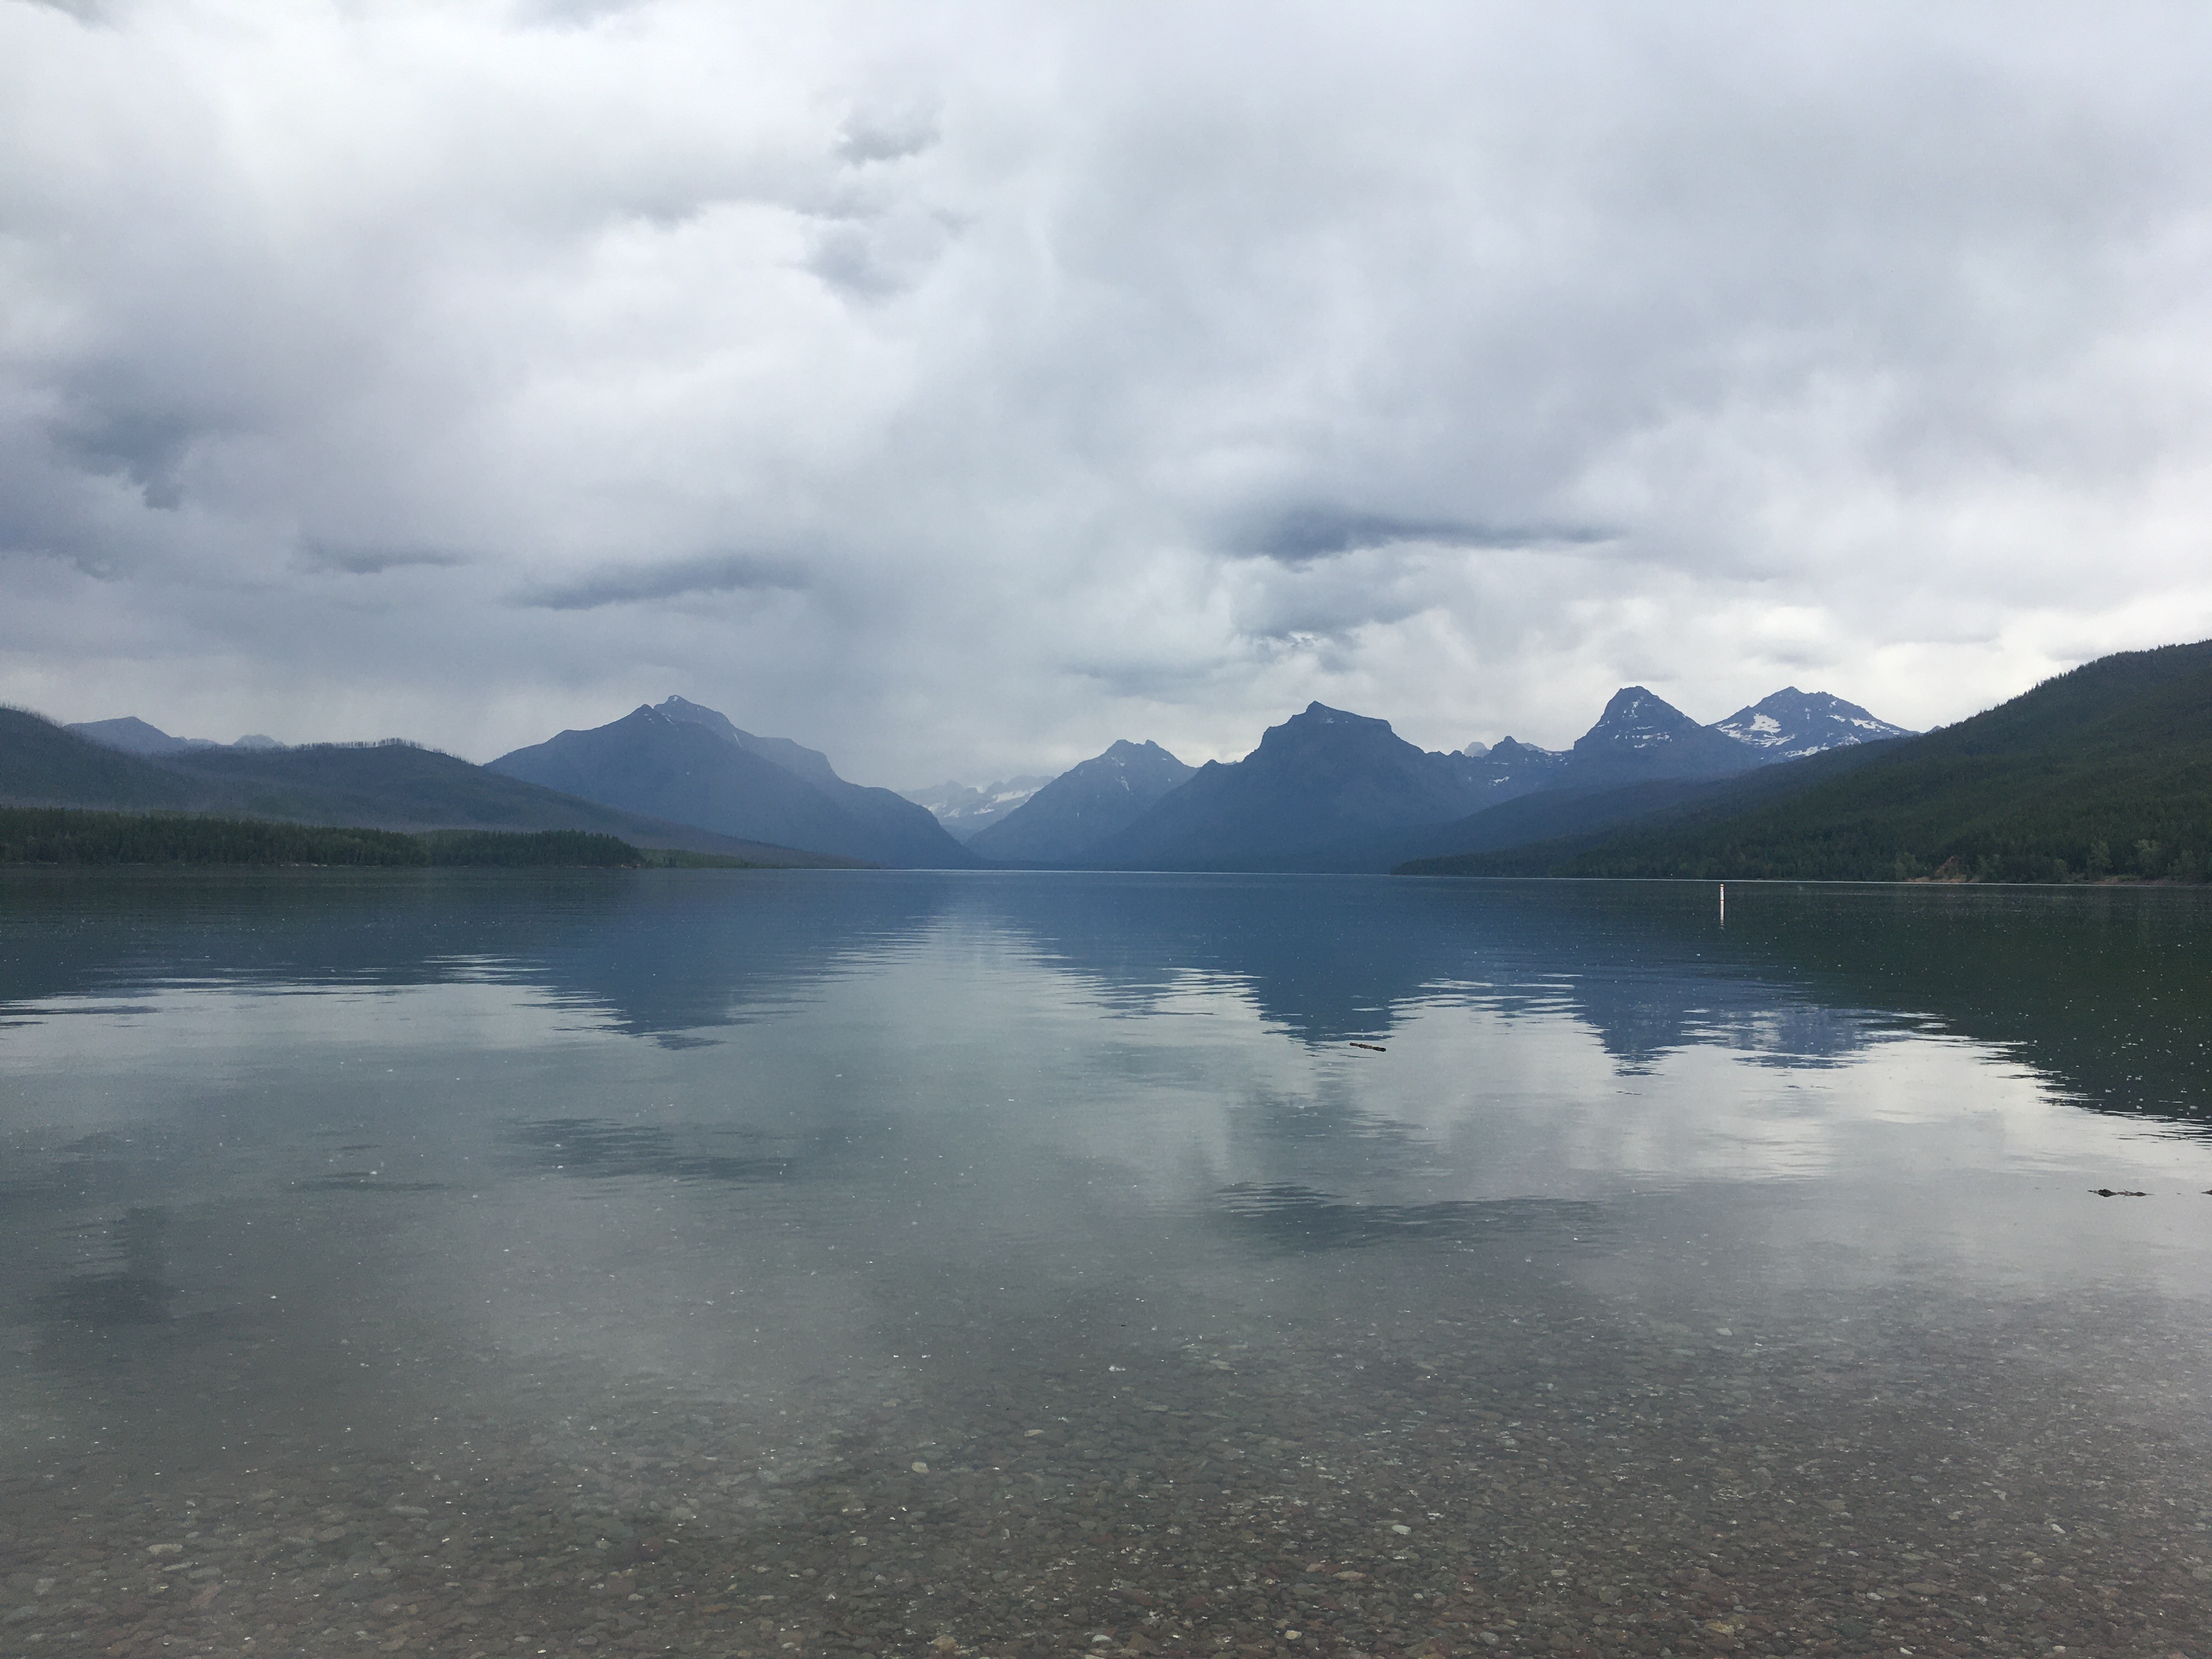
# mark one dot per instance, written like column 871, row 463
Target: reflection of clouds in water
column 1484, row 1094
column 592, row 1147
column 1331, row 961
column 665, row 951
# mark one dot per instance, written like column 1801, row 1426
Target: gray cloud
column 1122, row 372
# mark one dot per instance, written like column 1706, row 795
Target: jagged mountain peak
column 1122, row 751
column 683, row 709
column 1639, row 717
column 809, row 764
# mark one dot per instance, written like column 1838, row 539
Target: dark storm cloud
column 146, row 445
column 468, row 371
column 1303, row 533
column 369, row 560
column 719, row 572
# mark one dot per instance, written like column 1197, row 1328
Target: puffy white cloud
column 958, row 388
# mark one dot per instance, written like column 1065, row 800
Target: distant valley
column 966, row 809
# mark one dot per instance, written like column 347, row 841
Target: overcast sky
column 958, row 388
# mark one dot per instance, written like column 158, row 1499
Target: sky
column 958, row 388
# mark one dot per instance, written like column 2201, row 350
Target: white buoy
column 1723, row 904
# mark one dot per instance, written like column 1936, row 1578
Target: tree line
column 67, row 836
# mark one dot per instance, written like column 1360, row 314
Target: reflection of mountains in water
column 1336, row 959
column 134, row 1292
column 660, row 953
column 2109, row 993
column 1300, row 1218
column 2106, row 993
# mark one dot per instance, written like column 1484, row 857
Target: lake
column 856, row 1263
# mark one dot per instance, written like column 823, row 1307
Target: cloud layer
column 959, row 388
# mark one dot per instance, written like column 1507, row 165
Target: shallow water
column 829, row 1263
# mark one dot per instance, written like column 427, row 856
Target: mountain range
column 383, row 785
column 134, row 737
column 1326, row 789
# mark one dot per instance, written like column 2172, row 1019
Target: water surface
column 838, row 1263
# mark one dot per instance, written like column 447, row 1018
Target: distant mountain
column 1510, row 767
column 135, row 737
column 1791, row 724
column 1641, row 735
column 1084, row 805
column 690, row 765
column 1320, row 776
column 386, row 785
column 963, row 809
column 2106, row 770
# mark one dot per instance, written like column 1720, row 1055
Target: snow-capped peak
column 1791, row 724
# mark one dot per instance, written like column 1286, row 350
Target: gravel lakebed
column 1490, row 1472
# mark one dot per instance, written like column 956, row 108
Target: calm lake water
column 853, row 1264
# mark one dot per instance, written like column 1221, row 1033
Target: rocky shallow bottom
column 1485, row 1477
